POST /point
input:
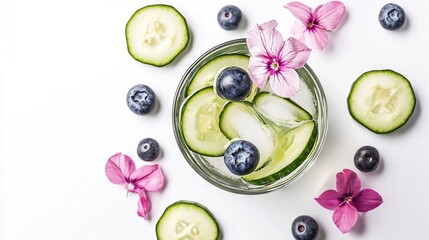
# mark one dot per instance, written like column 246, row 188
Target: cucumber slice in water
column 282, row 111
column 200, row 123
column 156, row 34
column 240, row 120
column 381, row 100
column 292, row 148
column 187, row 220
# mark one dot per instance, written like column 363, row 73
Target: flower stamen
column 274, row 65
column 130, row 187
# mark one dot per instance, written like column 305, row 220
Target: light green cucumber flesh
column 204, row 77
column 156, row 34
column 185, row 220
column 279, row 110
column 292, row 148
column 200, row 123
column 381, row 100
column 238, row 120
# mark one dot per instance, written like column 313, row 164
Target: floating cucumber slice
column 381, row 100
column 206, row 74
column 187, row 220
column 200, row 123
column 292, row 148
column 282, row 111
column 156, row 34
column 240, row 120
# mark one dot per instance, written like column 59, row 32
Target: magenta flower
column 274, row 59
column 312, row 26
column 120, row 169
column 348, row 200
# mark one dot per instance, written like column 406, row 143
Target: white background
column 64, row 75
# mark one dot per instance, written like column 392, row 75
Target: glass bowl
column 213, row 170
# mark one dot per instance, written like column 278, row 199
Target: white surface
column 64, row 74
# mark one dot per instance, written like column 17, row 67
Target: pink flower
column 120, row 169
column 348, row 200
column 312, row 26
column 274, row 59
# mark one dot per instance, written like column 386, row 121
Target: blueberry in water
column 233, row 83
column 367, row 159
column 241, row 157
column 229, row 17
column 305, row 228
column 391, row 16
column 141, row 99
column 148, row 149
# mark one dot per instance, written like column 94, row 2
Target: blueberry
column 141, row 99
column 366, row 159
column 233, row 83
column 305, row 228
column 148, row 149
column 391, row 16
column 241, row 157
column 229, row 17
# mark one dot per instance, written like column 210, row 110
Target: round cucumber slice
column 156, row 34
column 200, row 123
column 187, row 220
column 381, row 100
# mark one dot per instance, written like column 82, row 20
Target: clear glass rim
column 322, row 123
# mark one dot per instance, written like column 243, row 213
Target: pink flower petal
column 255, row 36
column 143, row 172
column 345, row 217
column 348, row 183
column 119, row 168
column 258, row 71
column 330, row 199
column 285, row 83
column 366, row 200
column 264, row 39
column 295, row 53
column 149, row 178
column 298, row 30
column 315, row 38
column 329, row 15
column 143, row 205
column 301, row 11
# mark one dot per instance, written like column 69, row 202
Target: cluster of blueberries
column 234, row 84
column 141, row 100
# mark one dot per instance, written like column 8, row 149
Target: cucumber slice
column 200, row 123
column 292, row 148
column 281, row 111
column 156, row 34
column 187, row 220
column 204, row 77
column 240, row 120
column 381, row 100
